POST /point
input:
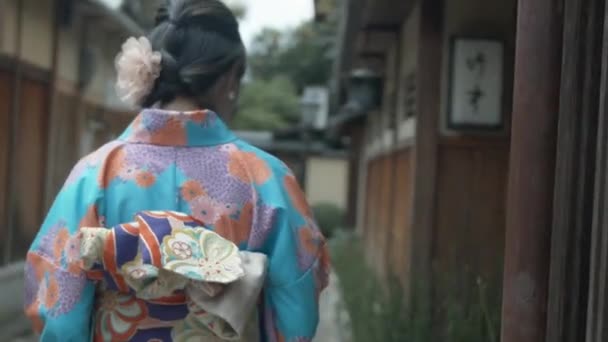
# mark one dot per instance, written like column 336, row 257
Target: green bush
column 329, row 217
column 378, row 312
column 476, row 320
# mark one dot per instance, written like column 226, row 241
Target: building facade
column 482, row 162
column 57, row 102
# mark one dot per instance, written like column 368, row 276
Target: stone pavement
column 12, row 319
column 335, row 321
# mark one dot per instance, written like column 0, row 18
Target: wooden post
column 354, row 160
column 425, row 181
column 575, row 168
column 54, row 148
column 393, row 155
column 531, row 170
column 597, row 313
column 12, row 157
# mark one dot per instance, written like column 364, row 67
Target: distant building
column 57, row 102
column 483, row 157
column 321, row 169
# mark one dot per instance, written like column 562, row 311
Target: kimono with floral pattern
column 193, row 164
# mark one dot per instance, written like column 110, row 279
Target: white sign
column 476, row 87
column 315, row 101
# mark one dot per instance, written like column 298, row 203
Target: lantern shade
column 364, row 90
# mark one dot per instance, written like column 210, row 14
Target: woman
column 177, row 155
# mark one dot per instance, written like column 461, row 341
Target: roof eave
column 117, row 17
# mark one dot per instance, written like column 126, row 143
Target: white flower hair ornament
column 137, row 67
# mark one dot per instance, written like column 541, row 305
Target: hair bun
column 199, row 41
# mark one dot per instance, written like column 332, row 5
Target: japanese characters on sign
column 476, row 87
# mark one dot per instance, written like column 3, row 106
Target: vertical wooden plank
column 375, row 228
column 66, row 141
column 425, row 155
column 3, row 24
column 575, row 168
column 6, row 95
column 30, row 169
column 370, row 231
column 453, row 220
column 54, row 148
column 385, row 215
column 597, row 313
column 368, row 202
column 15, row 110
column 356, row 151
column 486, row 243
column 402, row 216
column 531, row 170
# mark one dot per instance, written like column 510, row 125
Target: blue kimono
column 189, row 163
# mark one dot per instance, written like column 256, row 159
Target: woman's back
column 176, row 156
column 190, row 163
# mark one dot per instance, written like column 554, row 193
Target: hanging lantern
column 364, row 90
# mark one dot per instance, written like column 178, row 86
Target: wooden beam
column 54, row 126
column 383, row 27
column 425, row 173
column 3, row 26
column 531, row 170
column 378, row 42
column 386, row 12
column 355, row 156
column 372, row 55
column 575, row 168
column 394, row 127
column 12, row 157
column 597, row 314
column 28, row 70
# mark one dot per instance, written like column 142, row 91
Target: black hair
column 199, row 41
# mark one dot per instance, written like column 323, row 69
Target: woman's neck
column 181, row 104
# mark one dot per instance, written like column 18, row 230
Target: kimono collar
column 170, row 128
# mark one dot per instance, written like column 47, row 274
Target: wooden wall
column 402, row 215
column 29, row 180
column 436, row 206
column 388, row 214
column 384, row 213
column 371, row 231
column 65, row 150
column 30, row 171
column 470, row 213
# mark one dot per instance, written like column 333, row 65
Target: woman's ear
column 225, row 93
column 235, row 75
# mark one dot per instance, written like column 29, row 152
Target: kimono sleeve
column 299, row 269
column 58, row 297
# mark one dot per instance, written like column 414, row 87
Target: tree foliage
column 267, row 104
column 281, row 64
column 304, row 55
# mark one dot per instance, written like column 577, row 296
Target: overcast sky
column 280, row 14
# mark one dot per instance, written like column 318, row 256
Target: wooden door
column 29, row 177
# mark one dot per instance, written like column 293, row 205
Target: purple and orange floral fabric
column 193, row 164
